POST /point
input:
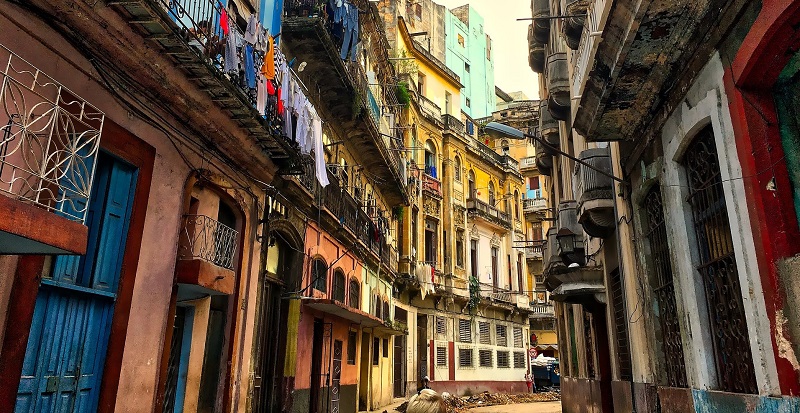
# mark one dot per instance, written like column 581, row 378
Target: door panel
column 72, row 316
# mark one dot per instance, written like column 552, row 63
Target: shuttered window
column 485, row 358
column 464, row 331
column 441, row 327
column 502, row 359
column 465, row 357
column 483, row 331
column 519, row 359
column 502, row 336
column 441, row 356
column 517, row 337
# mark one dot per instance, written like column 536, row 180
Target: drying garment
column 223, row 21
column 339, row 8
column 249, row 67
column 319, row 162
column 253, row 27
column 350, row 33
column 270, row 87
column 261, row 95
column 423, row 274
column 231, row 57
column 301, row 133
column 316, row 125
column 280, row 102
column 268, row 68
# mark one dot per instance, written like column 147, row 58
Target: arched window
column 377, row 301
column 386, row 311
column 473, row 192
column 338, row 285
column 355, row 294
column 504, row 146
column 457, row 169
column 430, row 158
column 492, row 200
column 319, row 275
column 516, row 204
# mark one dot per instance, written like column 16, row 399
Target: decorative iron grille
column 465, row 357
column 49, row 140
column 503, row 359
column 441, row 356
column 464, row 331
column 664, row 289
column 485, row 358
column 209, row 240
column 621, row 326
column 484, row 336
column 501, row 335
column 734, row 360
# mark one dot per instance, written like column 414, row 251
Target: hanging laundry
column 231, row 57
column 350, row 21
column 261, row 94
column 319, row 158
column 316, row 126
column 223, row 20
column 268, row 68
column 249, row 67
column 253, row 27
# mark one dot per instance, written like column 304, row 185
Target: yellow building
column 461, row 280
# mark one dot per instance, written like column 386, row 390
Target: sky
column 509, row 41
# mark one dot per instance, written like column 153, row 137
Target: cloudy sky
column 510, row 41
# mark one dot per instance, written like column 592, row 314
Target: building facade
column 469, row 55
column 669, row 272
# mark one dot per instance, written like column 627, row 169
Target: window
column 664, row 289
column 421, row 83
column 485, row 337
column 516, row 204
column 460, row 248
column 448, row 99
column 495, row 264
column 492, row 199
column 351, row 348
column 621, row 326
column 461, row 41
column 338, row 286
column 355, row 294
column 485, row 358
column 418, row 11
column 717, row 266
column 385, row 347
column 488, row 47
column 464, row 331
column 473, row 192
column 457, row 168
column 465, row 357
column 386, row 314
column 470, row 127
column 440, row 325
column 501, row 338
column 518, row 337
column 473, row 257
column 466, row 67
column 319, row 275
column 502, row 359
column 520, row 279
column 468, row 103
column 376, row 351
column 519, row 359
column 441, row 356
column 378, row 313
column 430, row 158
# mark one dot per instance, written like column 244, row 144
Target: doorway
column 65, row 355
column 422, row 348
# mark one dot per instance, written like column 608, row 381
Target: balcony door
column 66, row 350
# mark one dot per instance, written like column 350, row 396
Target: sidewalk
column 388, row 409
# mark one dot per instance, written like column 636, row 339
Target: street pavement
column 539, row 407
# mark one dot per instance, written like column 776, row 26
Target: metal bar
column 566, row 155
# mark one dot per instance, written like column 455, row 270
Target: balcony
column 341, row 95
column 595, row 193
column 570, row 234
column 488, row 213
column 542, row 310
column 523, row 301
column 535, row 52
column 535, row 205
column 558, row 93
column 431, row 186
column 534, row 250
column 541, row 28
column 455, row 126
column 430, row 110
column 49, row 142
column 573, row 26
column 579, row 286
column 528, row 164
column 639, row 72
column 188, row 37
column 206, row 253
column 504, row 162
column 583, row 58
column 345, row 215
column 548, row 126
column 544, row 160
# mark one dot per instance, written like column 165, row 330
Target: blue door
column 72, row 319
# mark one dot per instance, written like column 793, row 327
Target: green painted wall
column 479, row 80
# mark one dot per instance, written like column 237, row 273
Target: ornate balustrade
column 207, row 239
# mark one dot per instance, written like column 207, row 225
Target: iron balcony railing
column 534, row 249
column 542, row 309
column 49, row 140
column 432, row 185
column 596, row 15
column 209, row 240
column 477, row 207
column 527, row 163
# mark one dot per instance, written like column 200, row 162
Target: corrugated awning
column 340, row 310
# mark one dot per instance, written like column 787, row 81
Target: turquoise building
column 469, row 55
